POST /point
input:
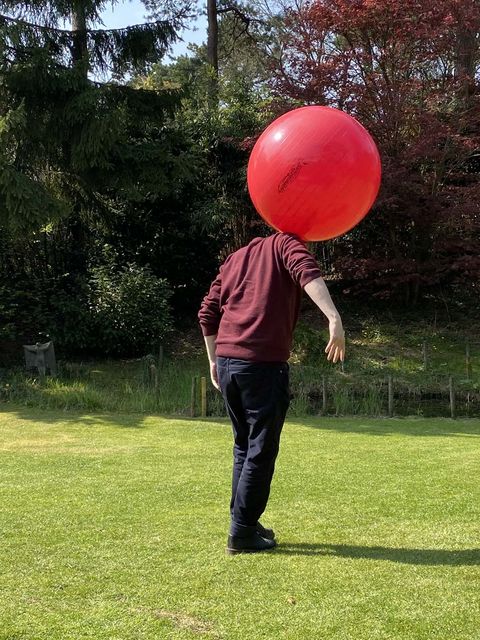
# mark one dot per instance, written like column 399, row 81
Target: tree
column 235, row 29
column 224, row 121
column 76, row 155
column 63, row 133
column 409, row 72
column 218, row 201
column 212, row 35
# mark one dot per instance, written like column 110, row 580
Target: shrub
column 130, row 309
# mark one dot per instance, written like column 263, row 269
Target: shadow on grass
column 76, row 416
column 443, row 427
column 86, row 417
column 462, row 557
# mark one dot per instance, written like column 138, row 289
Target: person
column 247, row 320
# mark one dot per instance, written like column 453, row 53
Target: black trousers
column 257, row 397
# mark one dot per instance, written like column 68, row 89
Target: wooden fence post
column 390, row 397
column 193, row 396
column 203, row 394
column 154, row 376
column 452, row 396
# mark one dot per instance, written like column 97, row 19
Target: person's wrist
column 336, row 321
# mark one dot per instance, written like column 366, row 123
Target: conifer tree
column 67, row 141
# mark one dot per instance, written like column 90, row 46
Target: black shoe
column 250, row 544
column 269, row 534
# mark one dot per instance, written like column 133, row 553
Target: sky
column 126, row 13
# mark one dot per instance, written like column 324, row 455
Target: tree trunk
column 74, row 225
column 80, row 43
column 466, row 53
column 212, row 48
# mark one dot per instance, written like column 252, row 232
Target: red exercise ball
column 314, row 172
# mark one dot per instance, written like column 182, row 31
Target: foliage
column 222, row 208
column 116, row 50
column 69, row 139
column 70, row 144
column 70, row 322
column 8, row 312
column 148, row 169
column 114, row 311
column 180, row 13
column 408, row 71
column 130, row 309
column 25, row 200
column 83, row 164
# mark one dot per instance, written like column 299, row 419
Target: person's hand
column 213, row 375
column 335, row 348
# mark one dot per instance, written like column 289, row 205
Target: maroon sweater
column 253, row 303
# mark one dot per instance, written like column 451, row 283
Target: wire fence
column 432, row 385
column 439, row 396
column 424, row 380
column 442, row 396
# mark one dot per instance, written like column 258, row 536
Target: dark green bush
column 130, row 309
column 71, row 327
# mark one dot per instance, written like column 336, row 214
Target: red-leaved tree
column 409, row 71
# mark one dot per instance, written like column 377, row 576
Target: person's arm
column 318, row 292
column 305, row 271
column 210, row 345
column 209, row 318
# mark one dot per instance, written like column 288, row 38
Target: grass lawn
column 114, row 527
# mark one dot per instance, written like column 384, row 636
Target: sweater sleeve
column 298, row 261
column 210, row 312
